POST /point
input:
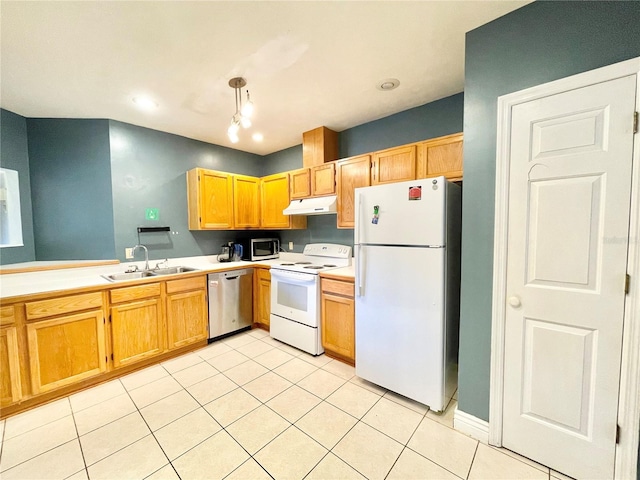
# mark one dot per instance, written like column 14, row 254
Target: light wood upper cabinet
column 319, row 145
column 10, row 383
column 136, row 323
column 338, row 319
column 440, row 156
column 275, row 198
column 186, row 311
column 262, row 296
column 394, row 165
column 246, row 201
column 323, row 180
column 66, row 349
column 351, row 173
column 210, row 199
column 300, row 183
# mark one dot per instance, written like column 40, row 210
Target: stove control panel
column 327, row 250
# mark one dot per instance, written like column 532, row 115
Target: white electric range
column 295, row 295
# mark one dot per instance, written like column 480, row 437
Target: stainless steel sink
column 127, row 276
column 172, row 270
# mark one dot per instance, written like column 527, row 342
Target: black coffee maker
column 226, row 254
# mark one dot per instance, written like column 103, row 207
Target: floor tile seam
column 222, row 371
column 438, row 464
column 142, row 370
column 97, row 403
column 391, row 399
column 120, row 449
column 318, row 463
column 186, row 451
column 250, row 458
column 40, row 454
column 498, row 449
column 32, row 429
column 424, row 415
column 138, row 407
column 405, row 444
column 175, row 420
column 157, row 470
column 261, row 402
column 344, row 460
column 404, row 447
column 85, row 469
column 281, row 433
column 75, row 425
column 183, row 368
column 473, row 459
column 295, row 383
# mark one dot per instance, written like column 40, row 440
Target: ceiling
column 306, row 63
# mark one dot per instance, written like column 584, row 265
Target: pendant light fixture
column 242, row 116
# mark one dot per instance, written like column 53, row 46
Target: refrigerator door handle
column 359, row 265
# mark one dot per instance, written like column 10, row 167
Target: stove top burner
column 315, row 267
column 329, row 265
column 303, row 263
column 287, row 264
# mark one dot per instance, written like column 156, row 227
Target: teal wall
column 538, row 43
column 148, row 171
column 282, row 161
column 71, row 189
column 14, row 155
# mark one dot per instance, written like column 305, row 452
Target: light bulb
column 245, row 122
column 247, row 108
column 234, row 127
column 234, row 138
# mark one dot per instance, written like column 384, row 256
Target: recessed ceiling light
column 145, row 103
column 388, row 84
column 258, row 137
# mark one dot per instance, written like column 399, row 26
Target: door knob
column 514, row 301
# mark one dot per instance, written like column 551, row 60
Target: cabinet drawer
column 185, row 284
column 133, row 293
column 61, row 305
column 7, row 315
column 337, row 287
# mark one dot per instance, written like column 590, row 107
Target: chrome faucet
column 146, row 255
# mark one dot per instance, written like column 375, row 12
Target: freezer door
column 400, row 321
column 409, row 213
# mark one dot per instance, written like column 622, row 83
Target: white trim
column 470, row 425
column 629, row 400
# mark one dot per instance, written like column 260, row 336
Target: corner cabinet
column 136, row 323
column 338, row 319
column 262, row 297
column 186, row 311
column 210, row 199
column 66, row 340
column 351, row 173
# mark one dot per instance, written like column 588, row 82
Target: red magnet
column 415, row 193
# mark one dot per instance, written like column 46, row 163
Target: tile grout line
column 75, row 425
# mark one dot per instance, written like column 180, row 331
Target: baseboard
column 470, row 425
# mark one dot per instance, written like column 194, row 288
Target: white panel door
column 569, row 194
column 400, row 320
column 409, row 213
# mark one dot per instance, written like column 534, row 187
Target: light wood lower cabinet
column 186, row 311
column 136, row 323
column 10, row 385
column 338, row 319
column 66, row 349
column 262, row 297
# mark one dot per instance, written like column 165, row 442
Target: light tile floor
column 247, row 407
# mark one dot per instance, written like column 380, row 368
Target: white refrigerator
column 407, row 260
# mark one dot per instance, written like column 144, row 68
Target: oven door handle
column 293, row 278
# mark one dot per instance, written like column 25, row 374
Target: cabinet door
column 319, row 145
column 10, row 385
column 338, row 325
column 394, row 165
column 300, row 183
column 275, row 198
column 323, row 180
column 246, row 201
column 136, row 329
column 440, row 156
column 215, row 200
column 351, row 173
column 66, row 350
column 262, row 296
column 186, row 318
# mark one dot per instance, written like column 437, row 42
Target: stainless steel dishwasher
column 230, row 302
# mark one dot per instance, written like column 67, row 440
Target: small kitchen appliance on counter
column 295, row 295
column 256, row 249
column 407, row 255
column 227, row 252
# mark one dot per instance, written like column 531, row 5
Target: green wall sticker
column 152, row 214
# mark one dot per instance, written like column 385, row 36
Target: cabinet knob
column 514, row 301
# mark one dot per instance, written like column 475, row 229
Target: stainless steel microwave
column 254, row 249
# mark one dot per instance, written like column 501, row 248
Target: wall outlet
column 128, row 253
column 290, row 246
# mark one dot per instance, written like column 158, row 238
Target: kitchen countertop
column 344, row 273
column 59, row 280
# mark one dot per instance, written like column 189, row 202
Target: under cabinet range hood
column 312, row 206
